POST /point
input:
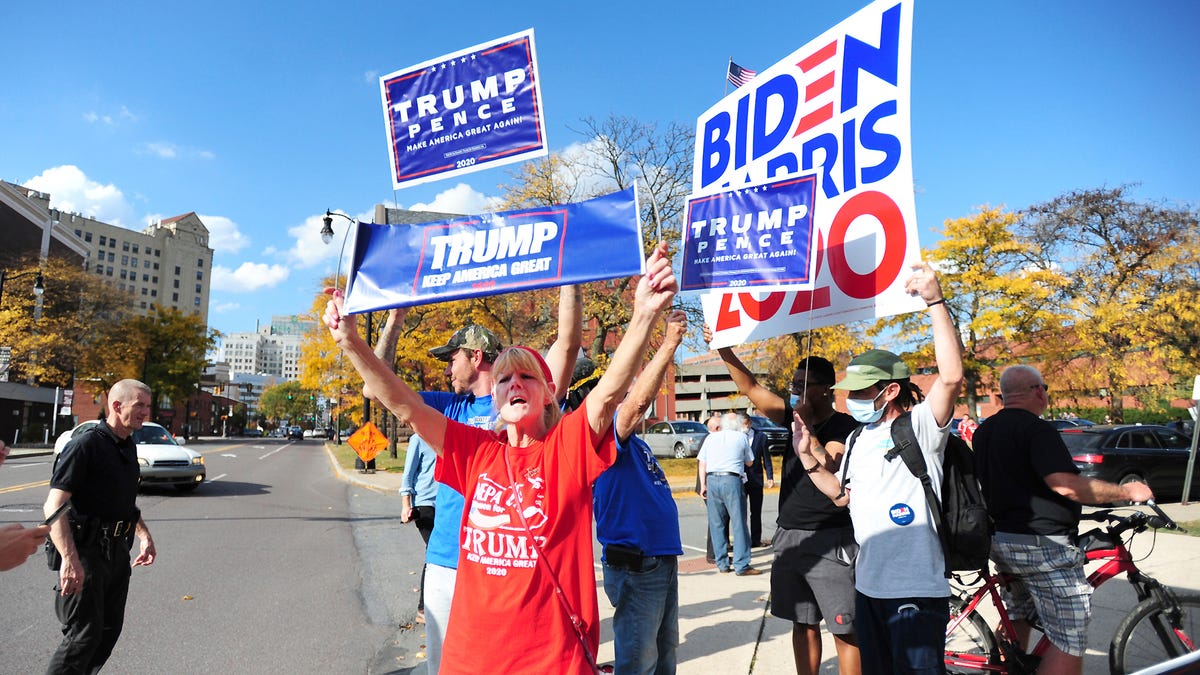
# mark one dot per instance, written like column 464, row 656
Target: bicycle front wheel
column 1155, row 631
column 970, row 645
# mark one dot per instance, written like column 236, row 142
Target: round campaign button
column 901, row 514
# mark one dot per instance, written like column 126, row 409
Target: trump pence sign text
column 470, row 110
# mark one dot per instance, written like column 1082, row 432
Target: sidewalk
column 725, row 624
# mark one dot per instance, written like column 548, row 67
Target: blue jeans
column 901, row 635
column 646, row 616
column 727, row 499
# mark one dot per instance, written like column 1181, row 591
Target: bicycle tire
column 1140, row 640
column 972, row 642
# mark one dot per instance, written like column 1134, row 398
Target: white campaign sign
column 837, row 109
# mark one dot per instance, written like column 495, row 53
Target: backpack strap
column 846, row 460
column 905, row 444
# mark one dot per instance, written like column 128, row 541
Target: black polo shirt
column 101, row 472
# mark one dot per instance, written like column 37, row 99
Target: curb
column 351, row 477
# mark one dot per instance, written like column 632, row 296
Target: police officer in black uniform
column 98, row 473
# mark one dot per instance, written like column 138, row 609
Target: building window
column 145, row 278
column 123, row 276
column 199, row 275
column 174, row 297
column 154, row 279
column 153, row 293
column 122, row 286
column 199, row 262
column 87, row 236
column 155, row 265
column 112, row 257
column 125, row 246
column 112, row 243
column 198, row 288
column 125, row 260
column 143, row 305
column 103, row 240
column 135, row 248
column 133, row 262
column 176, row 283
column 146, row 264
column 108, row 272
column 197, row 302
column 177, row 270
column 144, row 292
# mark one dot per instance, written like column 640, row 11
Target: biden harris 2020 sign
column 474, row 109
column 836, row 110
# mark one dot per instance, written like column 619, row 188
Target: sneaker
column 723, row 570
column 749, row 572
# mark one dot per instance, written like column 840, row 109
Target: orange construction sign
column 368, row 441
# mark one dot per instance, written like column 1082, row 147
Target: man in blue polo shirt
column 637, row 523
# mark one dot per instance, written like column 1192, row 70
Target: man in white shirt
column 723, row 461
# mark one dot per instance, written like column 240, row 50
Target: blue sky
column 259, row 116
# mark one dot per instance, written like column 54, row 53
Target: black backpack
column 961, row 519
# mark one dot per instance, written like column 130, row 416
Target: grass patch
column 345, row 457
column 683, row 471
column 1192, row 527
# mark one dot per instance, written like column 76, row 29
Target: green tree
column 171, row 346
column 289, row 400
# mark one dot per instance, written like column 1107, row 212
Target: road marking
column 17, row 488
column 229, row 454
column 14, row 465
column 693, row 548
column 216, row 478
column 273, row 452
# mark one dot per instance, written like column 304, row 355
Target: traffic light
column 312, row 397
column 289, row 397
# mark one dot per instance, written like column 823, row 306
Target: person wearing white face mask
column 902, row 595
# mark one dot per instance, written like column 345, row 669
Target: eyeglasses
column 1041, row 385
column 799, row 387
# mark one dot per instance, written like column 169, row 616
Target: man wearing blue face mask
column 902, row 595
column 812, row 576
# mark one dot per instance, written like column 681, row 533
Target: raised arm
column 388, row 389
column 385, row 346
column 765, row 401
column 645, row 390
column 655, row 291
column 947, row 351
column 564, row 352
column 817, row 469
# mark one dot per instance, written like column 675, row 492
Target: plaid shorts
column 1050, row 585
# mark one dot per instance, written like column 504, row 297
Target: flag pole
column 728, row 68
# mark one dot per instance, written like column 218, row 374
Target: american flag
column 739, row 75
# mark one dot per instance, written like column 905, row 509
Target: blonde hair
column 513, row 360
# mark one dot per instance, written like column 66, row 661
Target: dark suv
column 779, row 439
column 1122, row 453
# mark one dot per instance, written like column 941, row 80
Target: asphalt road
column 272, row 565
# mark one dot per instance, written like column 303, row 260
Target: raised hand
column 676, row 327
column 341, row 326
column 656, row 289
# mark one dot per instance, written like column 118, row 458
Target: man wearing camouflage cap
column 901, row 594
column 469, row 354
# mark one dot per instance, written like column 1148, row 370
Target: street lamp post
column 327, row 237
column 38, row 286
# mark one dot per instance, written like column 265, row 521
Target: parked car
column 779, row 439
column 162, row 459
column 1121, row 453
column 675, row 438
column 1071, row 423
column 295, row 432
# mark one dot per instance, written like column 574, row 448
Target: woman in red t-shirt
column 526, row 531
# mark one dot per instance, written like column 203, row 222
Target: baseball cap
column 470, row 336
column 870, row 367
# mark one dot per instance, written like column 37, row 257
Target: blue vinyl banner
column 542, row 247
column 754, row 236
column 474, row 109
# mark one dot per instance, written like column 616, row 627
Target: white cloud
column 224, row 235
column 248, row 277
column 462, row 199
column 166, row 150
column 309, row 251
column 107, row 119
column 161, row 149
column 224, row 307
column 371, row 77
column 72, row 191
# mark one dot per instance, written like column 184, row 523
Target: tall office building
column 271, row 350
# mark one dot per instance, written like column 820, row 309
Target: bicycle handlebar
column 1136, row 520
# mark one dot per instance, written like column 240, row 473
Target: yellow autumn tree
column 995, row 296
column 1131, row 273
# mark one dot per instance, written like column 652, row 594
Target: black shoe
column 711, row 561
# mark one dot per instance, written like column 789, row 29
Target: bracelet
column 816, row 468
column 940, row 301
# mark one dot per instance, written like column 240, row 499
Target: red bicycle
column 1165, row 623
